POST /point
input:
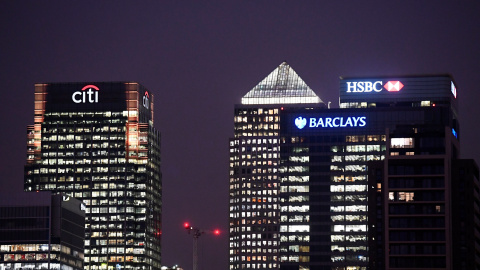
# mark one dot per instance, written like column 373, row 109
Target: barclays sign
column 332, row 122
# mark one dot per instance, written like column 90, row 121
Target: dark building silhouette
column 422, row 205
column 47, row 235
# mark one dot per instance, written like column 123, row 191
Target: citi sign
column 377, row 86
column 333, row 122
column 146, row 100
column 87, row 95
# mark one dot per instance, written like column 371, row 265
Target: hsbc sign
column 377, row 86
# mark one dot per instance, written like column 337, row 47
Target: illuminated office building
column 45, row 235
column 299, row 185
column 255, row 177
column 97, row 143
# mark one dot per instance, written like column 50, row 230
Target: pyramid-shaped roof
column 282, row 86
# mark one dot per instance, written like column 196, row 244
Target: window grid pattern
column 254, row 188
column 111, row 162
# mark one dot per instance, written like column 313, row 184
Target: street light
column 197, row 232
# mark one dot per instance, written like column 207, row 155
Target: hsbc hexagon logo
column 367, row 87
column 393, row 86
column 89, row 94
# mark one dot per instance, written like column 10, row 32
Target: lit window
column 425, row 103
column 405, row 196
column 402, row 143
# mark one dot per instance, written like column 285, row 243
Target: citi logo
column 360, row 87
column 146, row 100
column 87, row 90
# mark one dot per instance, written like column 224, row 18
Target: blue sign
column 454, row 133
column 333, row 122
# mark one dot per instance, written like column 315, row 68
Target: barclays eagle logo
column 300, row 122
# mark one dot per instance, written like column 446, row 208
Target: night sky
column 199, row 58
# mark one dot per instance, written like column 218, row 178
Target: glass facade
column 254, row 189
column 282, row 86
column 107, row 154
column 256, row 207
column 42, row 237
column 300, row 175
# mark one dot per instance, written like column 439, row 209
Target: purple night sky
column 199, row 58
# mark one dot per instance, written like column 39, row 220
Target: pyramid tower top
column 281, row 86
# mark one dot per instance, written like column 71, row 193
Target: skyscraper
column 300, row 190
column 254, row 168
column 97, row 143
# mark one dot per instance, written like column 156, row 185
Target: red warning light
column 216, row 232
column 186, row 225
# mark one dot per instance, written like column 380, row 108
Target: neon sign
column 333, row 122
column 92, row 95
column 454, row 133
column 393, row 86
column 453, row 89
column 367, row 87
column 146, row 100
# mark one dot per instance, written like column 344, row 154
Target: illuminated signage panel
column 146, row 100
column 330, row 122
column 393, row 86
column 87, row 90
column 453, row 89
column 375, row 86
column 397, row 89
column 85, row 97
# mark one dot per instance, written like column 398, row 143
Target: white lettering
column 367, row 87
column 360, row 87
column 349, row 121
column 350, row 86
column 75, row 99
column 332, row 122
column 145, row 102
column 92, row 96
column 363, row 121
column 335, row 119
column 355, row 121
column 328, row 122
column 90, row 92
column 375, row 86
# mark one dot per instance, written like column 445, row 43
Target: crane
column 196, row 233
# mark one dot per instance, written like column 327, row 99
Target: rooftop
column 281, row 86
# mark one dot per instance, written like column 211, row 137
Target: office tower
column 46, row 235
column 254, row 168
column 97, row 143
column 319, row 207
column 466, row 215
column 422, row 211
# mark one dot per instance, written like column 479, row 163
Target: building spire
column 281, row 86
